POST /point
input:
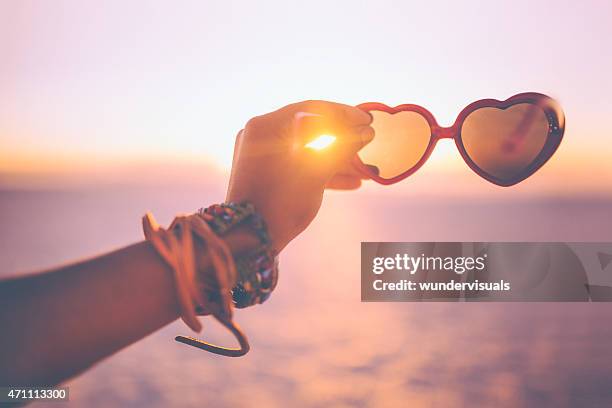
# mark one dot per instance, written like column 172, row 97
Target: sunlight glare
column 321, row 142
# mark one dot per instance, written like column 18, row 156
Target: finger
column 348, row 169
column 329, row 161
column 344, row 113
column 350, row 142
column 345, row 146
column 308, row 127
column 341, row 182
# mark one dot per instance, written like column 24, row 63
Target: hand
column 285, row 180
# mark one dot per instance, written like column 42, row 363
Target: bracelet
column 258, row 270
column 224, row 217
column 255, row 275
column 257, row 278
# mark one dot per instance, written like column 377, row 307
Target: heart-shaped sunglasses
column 502, row 141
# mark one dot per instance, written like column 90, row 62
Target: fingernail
column 366, row 117
column 367, row 135
column 357, row 116
column 373, row 169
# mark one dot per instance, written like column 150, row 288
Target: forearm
column 57, row 323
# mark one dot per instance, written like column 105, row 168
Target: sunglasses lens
column 400, row 141
column 504, row 142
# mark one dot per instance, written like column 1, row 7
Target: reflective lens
column 504, row 142
column 400, row 141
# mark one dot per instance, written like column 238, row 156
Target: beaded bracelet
column 257, row 278
column 258, row 270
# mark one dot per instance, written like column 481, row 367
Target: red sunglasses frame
column 552, row 110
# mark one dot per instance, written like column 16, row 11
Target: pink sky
column 89, row 87
column 98, row 92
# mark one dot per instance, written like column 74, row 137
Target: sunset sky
column 114, row 87
column 98, row 95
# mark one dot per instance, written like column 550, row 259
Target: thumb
column 339, row 154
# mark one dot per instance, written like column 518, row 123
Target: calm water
column 314, row 343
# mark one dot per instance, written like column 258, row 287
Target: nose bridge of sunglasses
column 443, row 132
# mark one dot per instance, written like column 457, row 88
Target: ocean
column 314, row 343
